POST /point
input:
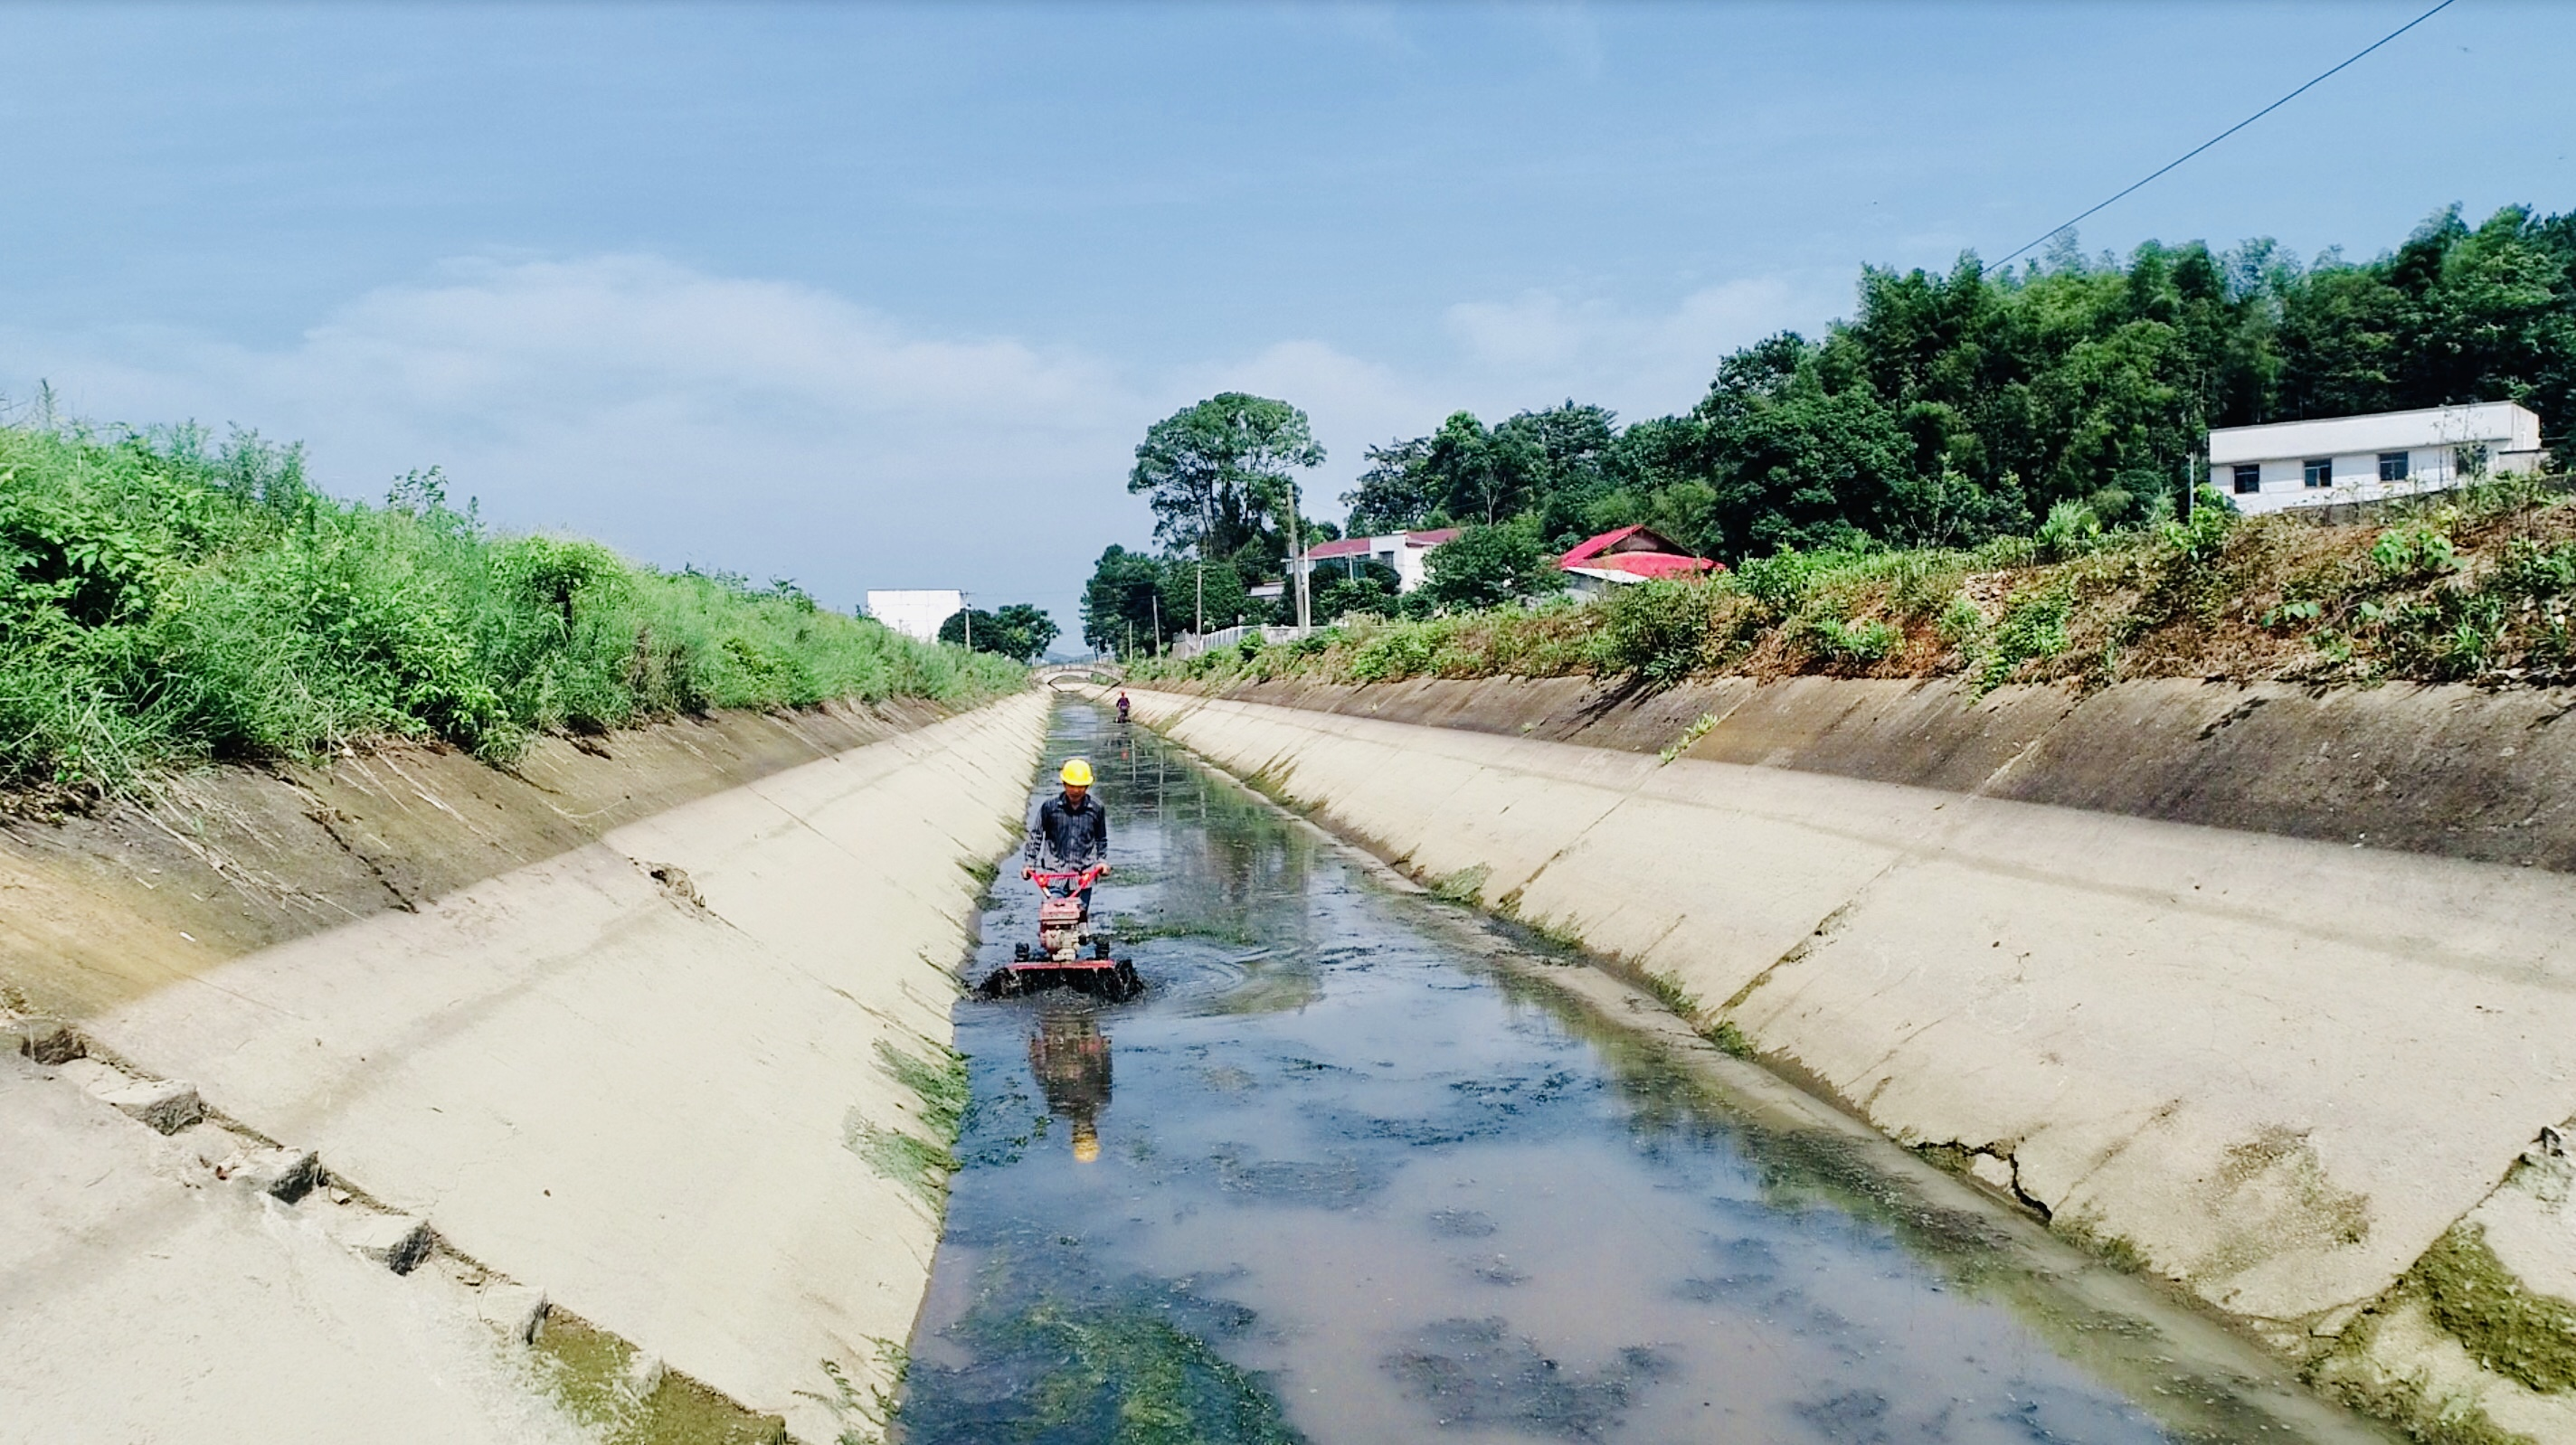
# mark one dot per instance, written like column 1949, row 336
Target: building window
column 2319, row 472
column 2249, row 478
column 2393, row 468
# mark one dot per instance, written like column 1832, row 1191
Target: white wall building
column 2367, row 458
column 1404, row 551
column 916, row 614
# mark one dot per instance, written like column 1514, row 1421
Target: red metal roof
column 1584, row 551
column 1636, row 549
column 1653, row 564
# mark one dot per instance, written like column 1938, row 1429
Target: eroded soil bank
column 2320, row 1086
column 1362, row 1165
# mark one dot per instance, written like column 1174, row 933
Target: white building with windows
column 1406, row 552
column 2370, row 458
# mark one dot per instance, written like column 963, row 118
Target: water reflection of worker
column 1070, row 1057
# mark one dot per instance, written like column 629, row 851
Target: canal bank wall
column 2268, row 993
column 648, row 1035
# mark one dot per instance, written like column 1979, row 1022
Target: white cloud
column 682, row 416
column 779, row 429
column 1544, row 348
column 1354, row 403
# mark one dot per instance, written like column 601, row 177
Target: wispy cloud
column 1544, row 347
column 686, row 417
column 782, row 429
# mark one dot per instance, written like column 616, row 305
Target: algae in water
column 1103, row 1371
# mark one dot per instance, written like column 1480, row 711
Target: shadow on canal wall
column 649, row 1035
column 2237, row 986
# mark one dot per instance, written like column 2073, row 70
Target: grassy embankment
column 165, row 602
column 2473, row 586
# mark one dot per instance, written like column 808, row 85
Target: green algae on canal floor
column 1353, row 1182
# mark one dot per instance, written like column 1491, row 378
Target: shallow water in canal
column 1335, row 1177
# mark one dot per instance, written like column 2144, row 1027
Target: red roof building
column 1630, row 554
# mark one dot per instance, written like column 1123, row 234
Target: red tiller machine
column 1067, row 954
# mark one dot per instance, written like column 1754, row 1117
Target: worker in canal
column 1072, row 830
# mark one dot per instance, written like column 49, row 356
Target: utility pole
column 1157, row 596
column 1297, row 562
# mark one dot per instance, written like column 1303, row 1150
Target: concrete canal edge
column 651, row 1034
column 2317, row 1082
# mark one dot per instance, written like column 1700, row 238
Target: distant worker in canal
column 1122, row 704
column 1072, row 832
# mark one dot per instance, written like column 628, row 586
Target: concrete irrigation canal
column 1363, row 1166
column 2024, row 1067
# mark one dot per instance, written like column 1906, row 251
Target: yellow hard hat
column 1077, row 773
column 1086, row 1143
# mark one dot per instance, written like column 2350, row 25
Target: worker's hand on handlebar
column 1104, row 870
column 1028, row 872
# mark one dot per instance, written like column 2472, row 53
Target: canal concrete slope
column 2289, row 1074
column 662, row 1079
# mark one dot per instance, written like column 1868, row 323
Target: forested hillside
column 1955, row 408
column 1947, row 412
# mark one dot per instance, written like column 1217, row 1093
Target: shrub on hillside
column 1657, row 632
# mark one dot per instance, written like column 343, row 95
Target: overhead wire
column 2231, row 130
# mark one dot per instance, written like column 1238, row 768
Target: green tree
column 1553, row 461
column 1118, row 604
column 1227, row 601
column 1960, row 405
column 1345, row 587
column 1487, row 566
column 1019, row 631
column 1218, row 474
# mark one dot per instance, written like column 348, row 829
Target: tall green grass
column 166, row 599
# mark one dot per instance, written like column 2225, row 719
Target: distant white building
column 2369, row 458
column 916, row 614
column 1403, row 551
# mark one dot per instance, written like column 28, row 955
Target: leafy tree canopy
column 1219, row 474
column 1957, row 406
column 1140, row 601
column 1118, row 604
column 1487, row 566
column 1020, row 631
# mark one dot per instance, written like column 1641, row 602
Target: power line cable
column 2233, row 129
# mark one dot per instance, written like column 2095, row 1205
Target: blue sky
column 884, row 296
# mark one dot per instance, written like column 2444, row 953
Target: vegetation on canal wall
column 2473, row 586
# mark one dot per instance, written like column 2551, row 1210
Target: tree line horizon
column 1949, row 409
